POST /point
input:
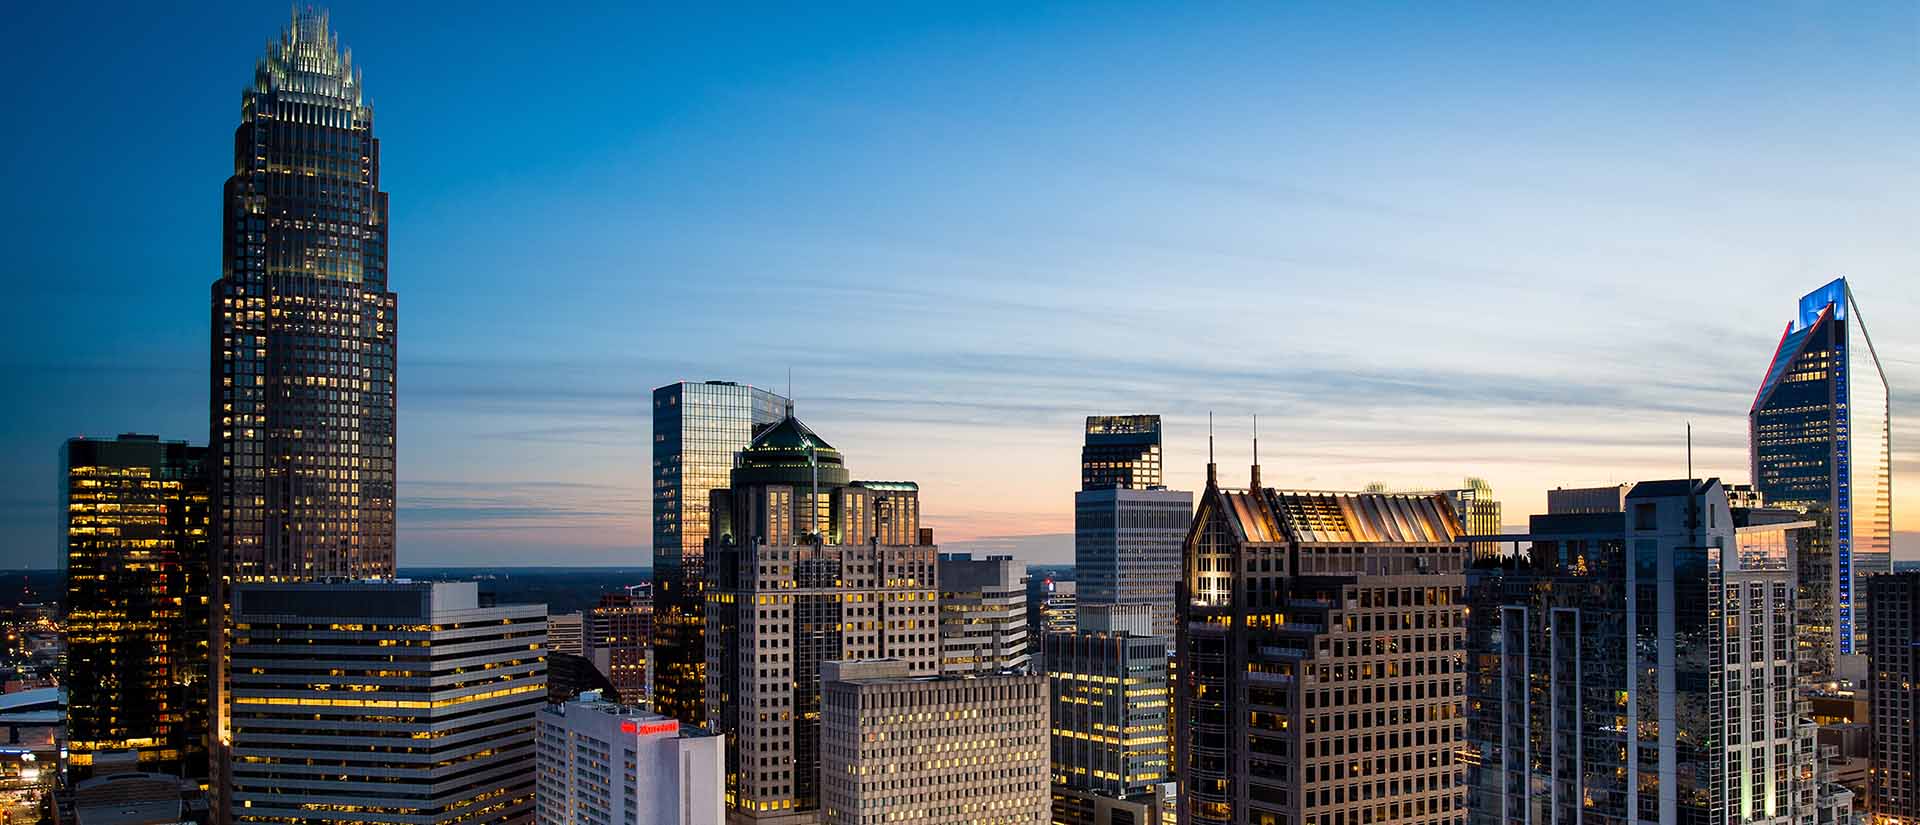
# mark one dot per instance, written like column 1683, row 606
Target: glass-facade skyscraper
column 1820, row 443
column 697, row 427
column 135, row 517
column 303, row 337
column 1121, row 451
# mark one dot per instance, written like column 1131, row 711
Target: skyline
column 971, row 272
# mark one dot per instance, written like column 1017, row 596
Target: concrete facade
column 932, row 751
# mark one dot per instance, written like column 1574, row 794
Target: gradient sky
column 1529, row 242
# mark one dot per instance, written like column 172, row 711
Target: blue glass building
column 697, row 427
column 1820, row 444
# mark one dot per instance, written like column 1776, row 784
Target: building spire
column 1213, row 470
column 1255, row 482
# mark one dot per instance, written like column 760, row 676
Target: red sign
column 650, row 728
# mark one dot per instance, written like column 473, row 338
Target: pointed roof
column 789, row 434
column 1792, row 342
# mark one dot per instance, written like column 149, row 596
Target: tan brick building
column 900, row 748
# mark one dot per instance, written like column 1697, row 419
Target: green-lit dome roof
column 790, row 452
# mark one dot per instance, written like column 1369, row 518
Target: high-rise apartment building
column 1121, row 451
column 613, row 764
column 804, row 566
column 1320, row 678
column 1820, row 443
column 618, row 633
column 983, row 614
column 1641, row 666
column 932, row 751
column 1893, row 617
column 1107, row 683
column 383, row 702
column 1126, row 548
column 304, row 333
column 697, row 428
column 135, row 512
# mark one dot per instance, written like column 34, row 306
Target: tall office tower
column 1639, row 666
column 983, row 614
column 383, row 702
column 1820, row 443
column 566, row 633
column 617, row 635
column 932, row 751
column 697, row 427
column 1121, row 451
column 304, row 326
column 135, row 512
column 1110, row 741
column 1126, row 548
column 304, row 332
column 604, row 762
column 1320, row 659
column 804, row 566
column 1893, row 611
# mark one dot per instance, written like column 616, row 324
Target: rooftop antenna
column 1213, row 471
column 1256, row 451
column 789, row 392
column 1693, row 506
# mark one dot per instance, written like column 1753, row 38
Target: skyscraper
column 804, row 566
column 697, row 427
column 1127, row 526
column 1121, row 451
column 135, row 513
column 1820, row 443
column 983, row 614
column 384, row 702
column 304, row 327
column 304, row 333
column 1320, row 659
column 1640, row 665
column 1126, row 548
column 1893, row 605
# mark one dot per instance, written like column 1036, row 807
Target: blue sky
column 1523, row 242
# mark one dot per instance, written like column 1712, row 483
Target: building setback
column 135, row 513
column 697, row 428
column 1893, row 610
column 932, row 751
column 384, row 702
column 604, row 762
column 1320, row 676
column 983, row 614
column 1819, row 435
column 804, row 566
